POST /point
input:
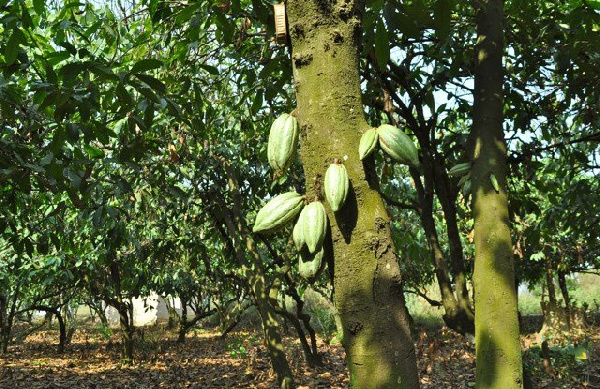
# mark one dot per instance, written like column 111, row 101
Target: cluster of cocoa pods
column 311, row 218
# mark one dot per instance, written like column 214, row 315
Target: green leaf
column 12, row 48
column 210, row 69
column 145, row 65
column 152, row 82
column 39, row 6
column 442, row 17
column 382, row 45
column 93, row 152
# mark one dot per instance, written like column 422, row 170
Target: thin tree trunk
column 550, row 281
column 125, row 320
column 183, row 322
column 62, row 331
column 498, row 350
column 9, row 317
column 126, row 333
column 240, row 235
column 3, row 323
column 562, row 283
column 367, row 280
column 457, row 260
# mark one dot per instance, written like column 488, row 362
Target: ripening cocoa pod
column 336, row 186
column 466, row 188
column 283, row 142
column 314, row 225
column 398, row 145
column 464, row 179
column 368, row 143
column 280, row 210
column 459, row 170
column 298, row 232
column 310, row 265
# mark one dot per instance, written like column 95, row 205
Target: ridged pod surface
column 309, row 265
column 280, row 210
column 459, row 170
column 368, row 143
column 283, row 142
column 298, row 232
column 398, row 145
column 336, row 186
column 314, row 225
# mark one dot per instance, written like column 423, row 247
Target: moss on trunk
column 367, row 281
column 498, row 350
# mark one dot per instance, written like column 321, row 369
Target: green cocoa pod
column 494, row 182
column 368, row 143
column 464, row 179
column 336, row 185
column 460, row 170
column 280, row 210
column 466, row 188
column 283, row 142
column 310, row 265
column 298, row 232
column 398, row 145
column 314, row 226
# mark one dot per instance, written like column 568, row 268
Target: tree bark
column 8, row 316
column 498, row 350
column 4, row 330
column 367, row 280
column 457, row 261
column 550, row 280
column 125, row 321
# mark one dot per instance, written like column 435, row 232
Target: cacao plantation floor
column 205, row 361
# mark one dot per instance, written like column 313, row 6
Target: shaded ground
column 206, row 361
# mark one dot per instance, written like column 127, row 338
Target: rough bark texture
column 368, row 286
column 498, row 350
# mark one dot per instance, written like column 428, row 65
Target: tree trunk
column 8, row 316
column 270, row 329
column 367, row 280
column 4, row 330
column 498, row 350
column 455, row 316
column 562, row 283
column 466, row 316
column 126, row 333
column 183, row 322
column 240, row 236
column 62, row 339
column 126, row 322
column 550, row 280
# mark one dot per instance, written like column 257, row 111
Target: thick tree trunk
column 498, row 349
column 367, row 280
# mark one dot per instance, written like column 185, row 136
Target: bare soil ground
column 92, row 361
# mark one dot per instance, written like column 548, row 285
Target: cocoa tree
column 367, row 279
column 498, row 349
